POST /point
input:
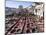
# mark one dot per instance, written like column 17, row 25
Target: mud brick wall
column 41, row 24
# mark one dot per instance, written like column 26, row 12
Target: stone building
column 39, row 9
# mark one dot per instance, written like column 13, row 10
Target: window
column 36, row 10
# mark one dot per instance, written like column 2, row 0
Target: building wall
column 39, row 9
